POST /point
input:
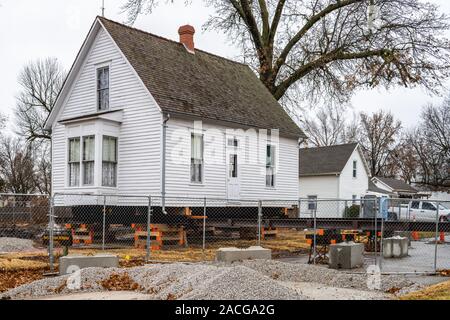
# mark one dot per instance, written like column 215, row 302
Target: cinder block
column 346, row 255
column 70, row 264
column 230, row 255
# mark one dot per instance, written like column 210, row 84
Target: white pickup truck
column 420, row 210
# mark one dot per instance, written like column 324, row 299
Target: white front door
column 233, row 173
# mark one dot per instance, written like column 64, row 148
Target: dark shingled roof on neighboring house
column 325, row 160
column 397, row 185
column 201, row 84
column 374, row 188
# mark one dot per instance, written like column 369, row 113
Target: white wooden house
column 337, row 173
column 143, row 115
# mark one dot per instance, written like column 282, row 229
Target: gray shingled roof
column 397, row 185
column 374, row 188
column 325, row 160
column 201, row 85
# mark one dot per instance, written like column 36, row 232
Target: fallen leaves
column 13, row 279
column 120, row 282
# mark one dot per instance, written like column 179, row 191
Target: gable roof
column 397, row 185
column 374, row 188
column 202, row 85
column 325, row 160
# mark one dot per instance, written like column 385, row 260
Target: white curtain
column 89, row 148
column 74, row 150
column 196, row 158
column 88, row 160
column 74, row 162
column 109, row 170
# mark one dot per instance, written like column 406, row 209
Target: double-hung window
column 355, row 169
column 109, row 170
column 74, row 162
column 88, row 160
column 270, row 166
column 197, row 161
column 103, row 88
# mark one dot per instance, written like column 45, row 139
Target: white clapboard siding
column 140, row 132
column 252, row 175
column 349, row 186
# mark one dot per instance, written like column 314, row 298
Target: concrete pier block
column 70, row 264
column 230, row 255
column 346, row 255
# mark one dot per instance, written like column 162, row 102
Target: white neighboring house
column 335, row 172
column 392, row 188
column 143, row 115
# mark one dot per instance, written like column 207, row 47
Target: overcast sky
column 31, row 29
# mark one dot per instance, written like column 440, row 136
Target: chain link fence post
column 104, row 224
column 260, row 213
column 315, row 233
column 149, row 231
column 204, row 229
column 52, row 227
column 380, row 263
column 436, row 237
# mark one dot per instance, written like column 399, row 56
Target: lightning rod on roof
column 103, row 8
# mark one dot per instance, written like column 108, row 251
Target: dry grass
column 437, row 292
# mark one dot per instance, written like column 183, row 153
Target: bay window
column 270, row 166
column 109, row 166
column 197, row 162
column 88, row 160
column 74, row 162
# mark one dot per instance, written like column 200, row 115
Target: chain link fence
column 175, row 229
column 23, row 216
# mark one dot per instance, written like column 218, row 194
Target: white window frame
column 84, row 162
column 192, row 160
column 116, row 162
column 97, row 69
column 271, row 166
column 69, row 171
column 355, row 169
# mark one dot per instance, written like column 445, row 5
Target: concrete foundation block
column 346, row 255
column 396, row 247
column 230, row 255
column 71, row 264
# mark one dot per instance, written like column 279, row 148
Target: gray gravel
column 258, row 280
column 8, row 245
column 308, row 273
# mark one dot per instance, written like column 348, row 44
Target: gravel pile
column 329, row 277
column 256, row 280
column 169, row 282
column 15, row 245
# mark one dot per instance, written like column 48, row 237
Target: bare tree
column 17, row 170
column 2, row 123
column 431, row 143
column 378, row 139
column 404, row 162
column 40, row 83
column 324, row 48
column 326, row 127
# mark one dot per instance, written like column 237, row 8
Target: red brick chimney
column 187, row 37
